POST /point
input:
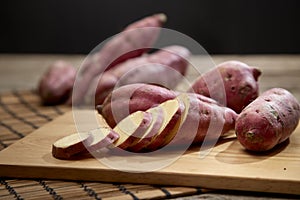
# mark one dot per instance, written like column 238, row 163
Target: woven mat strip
column 21, row 112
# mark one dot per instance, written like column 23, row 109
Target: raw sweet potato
column 130, row 98
column 74, row 144
column 191, row 120
column 67, row 147
column 139, row 37
column 268, row 120
column 171, row 61
column 171, row 111
column 102, row 137
column 205, row 119
column 135, row 40
column 171, row 129
column 132, row 127
column 56, row 83
column 238, row 80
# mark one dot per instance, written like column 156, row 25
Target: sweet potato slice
column 166, row 136
column 169, row 109
column 131, row 128
column 101, row 138
column 70, row 145
column 157, row 116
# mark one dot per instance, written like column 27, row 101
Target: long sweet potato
column 130, row 98
column 135, row 40
column 238, row 80
column 56, row 83
column 268, row 120
column 171, row 61
column 201, row 114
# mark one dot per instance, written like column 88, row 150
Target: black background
column 221, row 27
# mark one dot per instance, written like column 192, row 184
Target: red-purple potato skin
column 239, row 81
column 56, row 83
column 165, row 67
column 268, row 120
column 130, row 98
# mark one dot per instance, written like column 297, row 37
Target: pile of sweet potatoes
column 144, row 117
column 134, row 92
column 122, row 60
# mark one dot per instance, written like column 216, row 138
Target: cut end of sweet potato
column 131, row 128
column 102, row 137
column 68, row 146
column 157, row 120
column 169, row 109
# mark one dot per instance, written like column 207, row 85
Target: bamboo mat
column 21, row 113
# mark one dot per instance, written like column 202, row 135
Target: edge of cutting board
column 228, row 166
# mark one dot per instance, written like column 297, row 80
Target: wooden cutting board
column 227, row 166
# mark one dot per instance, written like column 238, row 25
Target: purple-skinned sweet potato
column 135, row 40
column 205, row 119
column 130, row 98
column 56, row 83
column 268, row 120
column 240, row 83
column 164, row 67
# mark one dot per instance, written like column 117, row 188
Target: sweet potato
column 130, row 98
column 135, row 40
column 205, row 119
column 56, row 83
column 238, row 80
column 139, row 37
column 268, row 120
column 171, row 61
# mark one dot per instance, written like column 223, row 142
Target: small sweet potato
column 57, row 82
column 238, row 80
column 268, row 120
column 130, row 98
